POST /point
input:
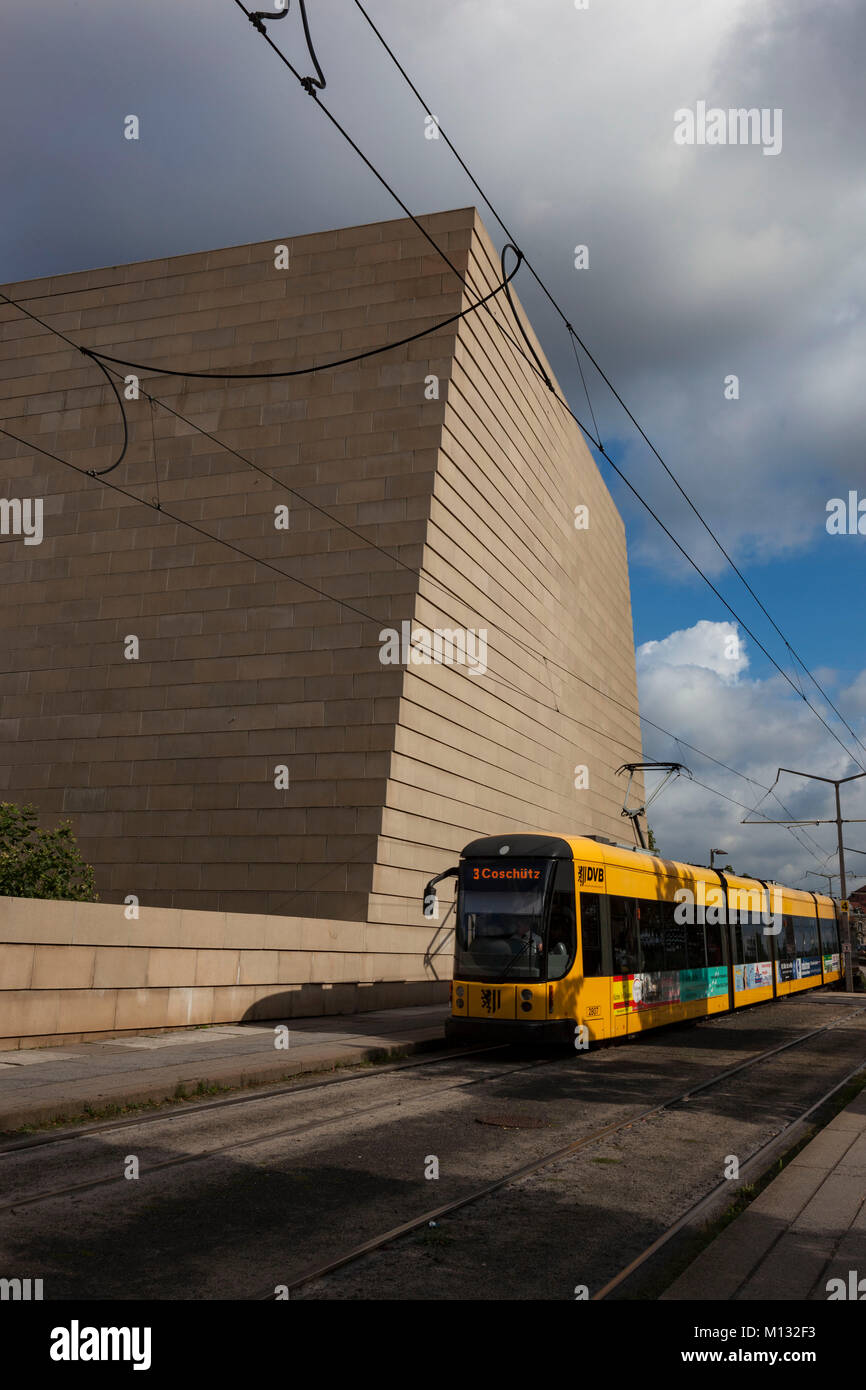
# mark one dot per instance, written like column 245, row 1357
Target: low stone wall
column 78, row 971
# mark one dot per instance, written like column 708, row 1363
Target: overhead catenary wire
column 259, row 16
column 99, row 357
column 577, row 339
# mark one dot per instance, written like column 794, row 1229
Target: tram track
column 306, row 1127
column 260, row 1096
column 615, row 1068
column 435, row 1214
column 751, row 1167
column 290, row 1131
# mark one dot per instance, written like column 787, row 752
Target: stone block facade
column 446, row 504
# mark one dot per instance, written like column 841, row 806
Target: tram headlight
column 526, row 994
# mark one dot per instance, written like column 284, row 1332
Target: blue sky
column 703, row 262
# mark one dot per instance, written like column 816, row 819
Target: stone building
column 432, row 485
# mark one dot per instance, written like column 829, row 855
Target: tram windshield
column 500, row 919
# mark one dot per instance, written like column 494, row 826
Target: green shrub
column 36, row 863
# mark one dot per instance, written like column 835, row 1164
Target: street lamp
column 713, row 853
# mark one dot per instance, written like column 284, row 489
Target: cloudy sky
column 705, row 261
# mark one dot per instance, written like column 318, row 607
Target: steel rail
column 703, row 1204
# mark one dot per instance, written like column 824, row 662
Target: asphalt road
column 233, row 1202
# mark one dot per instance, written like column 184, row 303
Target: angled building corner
column 433, row 485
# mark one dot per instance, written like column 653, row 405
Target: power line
column 731, row 610
column 382, row 180
column 546, row 379
column 577, row 339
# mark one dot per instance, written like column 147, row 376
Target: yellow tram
column 553, row 932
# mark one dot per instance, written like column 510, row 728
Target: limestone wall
column 71, row 971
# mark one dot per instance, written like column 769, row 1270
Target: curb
column 249, row 1074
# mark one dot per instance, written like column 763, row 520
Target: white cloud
column 753, row 726
column 854, row 696
column 715, row 647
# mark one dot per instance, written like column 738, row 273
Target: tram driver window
column 561, row 942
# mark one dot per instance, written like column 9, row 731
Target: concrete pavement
column 807, row 1228
column 43, row 1084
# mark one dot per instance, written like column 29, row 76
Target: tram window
column 650, row 928
column 696, row 946
column 755, row 947
column 623, row 930
column 561, row 940
column 676, row 956
column 806, row 936
column 715, row 953
column 829, row 935
column 590, row 933
column 786, row 948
